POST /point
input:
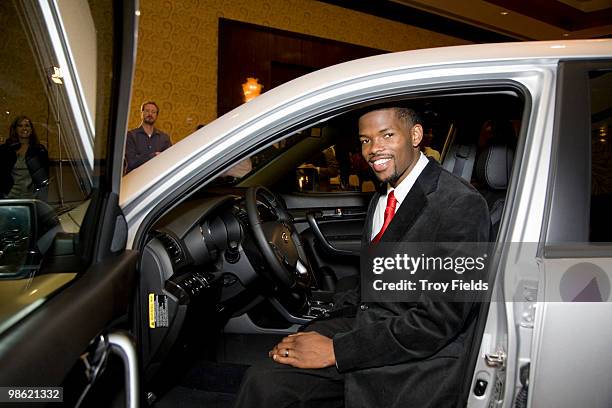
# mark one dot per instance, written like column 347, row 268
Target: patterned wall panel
column 22, row 86
column 102, row 14
column 177, row 50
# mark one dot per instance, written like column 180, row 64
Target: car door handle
column 327, row 247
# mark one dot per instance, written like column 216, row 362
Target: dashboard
column 200, row 266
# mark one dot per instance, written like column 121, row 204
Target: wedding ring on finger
column 286, row 352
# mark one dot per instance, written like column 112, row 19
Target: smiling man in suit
column 391, row 354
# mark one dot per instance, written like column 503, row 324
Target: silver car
column 166, row 277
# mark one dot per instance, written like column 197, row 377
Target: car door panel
column 340, row 218
column 40, row 345
column 332, row 267
column 337, row 237
column 302, row 201
column 574, row 306
column 52, row 337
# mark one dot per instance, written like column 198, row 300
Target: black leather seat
column 493, row 170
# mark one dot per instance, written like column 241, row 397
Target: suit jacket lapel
column 367, row 228
column 413, row 204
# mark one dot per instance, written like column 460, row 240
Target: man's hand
column 305, row 350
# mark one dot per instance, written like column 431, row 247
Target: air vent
column 173, row 248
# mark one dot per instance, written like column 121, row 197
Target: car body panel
column 571, row 346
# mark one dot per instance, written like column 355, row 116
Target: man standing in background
column 145, row 142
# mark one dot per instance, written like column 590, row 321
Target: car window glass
column 459, row 132
column 258, row 160
column 55, row 71
column 341, row 166
column 600, row 83
column 452, row 136
column 328, row 168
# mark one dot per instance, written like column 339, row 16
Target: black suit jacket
column 37, row 160
column 413, row 354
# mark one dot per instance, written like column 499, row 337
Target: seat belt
column 495, row 213
column 461, row 156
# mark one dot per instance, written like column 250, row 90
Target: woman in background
column 24, row 163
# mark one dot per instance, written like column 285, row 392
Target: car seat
column 460, row 160
column 493, row 169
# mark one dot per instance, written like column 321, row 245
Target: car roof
column 149, row 175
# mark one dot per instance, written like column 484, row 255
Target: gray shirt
column 22, row 187
column 140, row 148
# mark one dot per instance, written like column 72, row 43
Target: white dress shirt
column 401, row 191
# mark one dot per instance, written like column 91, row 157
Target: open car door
column 66, row 280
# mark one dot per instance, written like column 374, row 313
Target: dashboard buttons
column 229, row 279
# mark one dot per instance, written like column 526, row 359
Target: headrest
column 494, row 166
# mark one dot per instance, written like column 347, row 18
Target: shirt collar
column 145, row 132
column 402, row 190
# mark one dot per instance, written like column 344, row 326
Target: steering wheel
column 278, row 240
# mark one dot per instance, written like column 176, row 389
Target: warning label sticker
column 158, row 311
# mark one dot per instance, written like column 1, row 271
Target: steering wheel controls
column 189, row 286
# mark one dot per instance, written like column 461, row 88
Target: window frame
column 566, row 234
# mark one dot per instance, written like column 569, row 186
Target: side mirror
column 27, row 229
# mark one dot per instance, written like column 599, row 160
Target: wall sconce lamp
column 251, row 88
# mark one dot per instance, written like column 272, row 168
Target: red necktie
column 389, row 213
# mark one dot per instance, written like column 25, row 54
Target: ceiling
column 497, row 20
column 527, row 20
